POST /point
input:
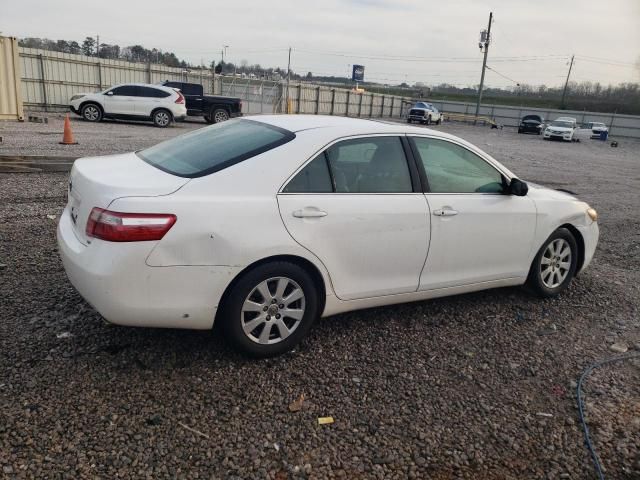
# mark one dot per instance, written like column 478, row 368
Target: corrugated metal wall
column 10, row 85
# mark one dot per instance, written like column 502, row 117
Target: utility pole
column 485, row 39
column 288, row 79
column 566, row 83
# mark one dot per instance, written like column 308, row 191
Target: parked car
column 531, row 124
column 563, row 128
column 595, row 129
column 213, row 108
column 133, row 101
column 426, row 113
column 263, row 224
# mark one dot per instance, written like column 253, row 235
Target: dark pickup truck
column 213, row 108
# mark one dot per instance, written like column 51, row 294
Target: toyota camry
column 264, row 224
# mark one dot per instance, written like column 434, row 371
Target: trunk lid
column 98, row 181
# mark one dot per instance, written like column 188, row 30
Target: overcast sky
column 532, row 40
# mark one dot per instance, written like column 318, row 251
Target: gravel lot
column 479, row 386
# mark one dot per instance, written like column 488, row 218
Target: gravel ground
column 479, row 386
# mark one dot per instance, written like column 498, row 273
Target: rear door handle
column 445, row 212
column 309, row 212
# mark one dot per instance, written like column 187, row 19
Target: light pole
column 485, row 40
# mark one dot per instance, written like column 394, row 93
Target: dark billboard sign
column 358, row 73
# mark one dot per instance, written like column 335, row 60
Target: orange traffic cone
column 67, row 136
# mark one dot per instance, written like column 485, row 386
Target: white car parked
column 423, row 112
column 134, row 101
column 563, row 128
column 266, row 223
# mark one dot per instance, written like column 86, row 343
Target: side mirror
column 110, row 94
column 517, row 187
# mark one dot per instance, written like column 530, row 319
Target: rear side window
column 313, row 178
column 214, row 148
column 188, row 89
column 152, row 92
column 126, row 91
column 363, row 165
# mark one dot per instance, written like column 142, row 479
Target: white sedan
column 264, row 224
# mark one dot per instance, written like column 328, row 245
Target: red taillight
column 128, row 227
column 180, row 98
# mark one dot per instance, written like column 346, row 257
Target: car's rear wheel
column 219, row 115
column 555, row 264
column 162, row 118
column 270, row 309
column 91, row 112
column 439, row 121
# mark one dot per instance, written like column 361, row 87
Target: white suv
column 134, row 101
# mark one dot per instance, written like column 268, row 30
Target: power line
column 503, row 76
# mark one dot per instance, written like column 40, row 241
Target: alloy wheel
column 555, row 263
column 273, row 310
column 91, row 113
column 162, row 119
column 220, row 116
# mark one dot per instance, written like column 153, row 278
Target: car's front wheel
column 161, row 118
column 91, row 112
column 270, row 309
column 555, row 264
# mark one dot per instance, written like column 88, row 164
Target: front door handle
column 309, row 212
column 445, row 212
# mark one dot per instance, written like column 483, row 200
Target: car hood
column 560, row 129
column 540, row 191
column 532, row 122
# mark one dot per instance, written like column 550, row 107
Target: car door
column 358, row 207
column 479, row 233
column 148, row 99
column 121, row 100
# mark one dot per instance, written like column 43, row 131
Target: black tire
column 536, row 279
column 233, row 318
column 91, row 112
column 519, row 130
column 428, row 121
column 162, row 118
column 207, row 119
column 439, row 121
column 218, row 115
column 409, row 120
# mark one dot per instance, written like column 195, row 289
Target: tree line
column 90, row 47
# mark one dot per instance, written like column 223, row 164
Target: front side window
column 125, row 91
column 214, row 148
column 451, row 168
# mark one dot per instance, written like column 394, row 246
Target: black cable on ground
column 587, row 438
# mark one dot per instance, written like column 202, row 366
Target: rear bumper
column 235, row 114
column 116, row 281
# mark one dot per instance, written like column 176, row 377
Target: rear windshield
column 561, row 123
column 531, row 117
column 214, row 148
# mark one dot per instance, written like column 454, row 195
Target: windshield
column 214, row 148
column 596, row 124
column 561, row 123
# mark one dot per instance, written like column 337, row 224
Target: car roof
column 351, row 126
column 151, row 85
